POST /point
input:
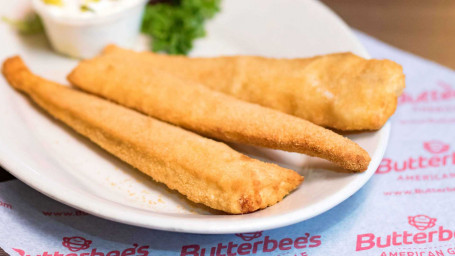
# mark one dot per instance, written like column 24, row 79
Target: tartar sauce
column 84, row 8
column 82, row 28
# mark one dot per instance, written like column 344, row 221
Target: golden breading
column 340, row 91
column 205, row 171
column 211, row 113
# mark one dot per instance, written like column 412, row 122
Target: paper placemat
column 406, row 209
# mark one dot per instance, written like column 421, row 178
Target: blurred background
column 422, row 27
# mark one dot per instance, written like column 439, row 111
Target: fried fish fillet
column 340, row 91
column 211, row 113
column 203, row 170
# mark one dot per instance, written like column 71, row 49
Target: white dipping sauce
column 85, row 9
column 82, row 28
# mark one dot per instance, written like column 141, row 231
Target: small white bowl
column 84, row 36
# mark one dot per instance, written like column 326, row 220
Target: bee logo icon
column 249, row 236
column 435, row 147
column 76, row 243
column 422, row 222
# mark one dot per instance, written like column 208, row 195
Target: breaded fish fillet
column 203, row 170
column 340, row 91
column 211, row 113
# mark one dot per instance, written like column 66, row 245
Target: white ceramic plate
column 53, row 159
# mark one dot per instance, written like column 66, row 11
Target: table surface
column 425, row 28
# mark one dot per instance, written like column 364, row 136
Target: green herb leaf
column 175, row 26
column 31, row 24
column 86, row 8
